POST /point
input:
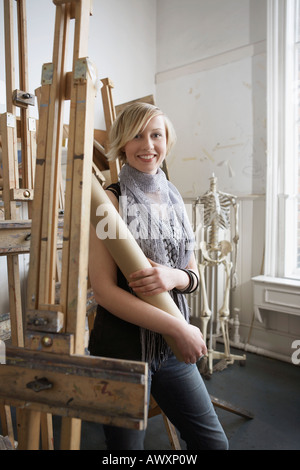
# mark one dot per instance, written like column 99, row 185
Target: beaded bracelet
column 189, row 289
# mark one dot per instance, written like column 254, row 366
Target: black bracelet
column 197, row 282
column 189, row 289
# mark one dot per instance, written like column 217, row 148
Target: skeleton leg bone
column 224, row 310
column 205, row 312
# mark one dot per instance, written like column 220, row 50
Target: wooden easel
column 12, row 191
column 17, row 186
column 51, row 375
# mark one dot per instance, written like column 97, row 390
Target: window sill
column 280, row 295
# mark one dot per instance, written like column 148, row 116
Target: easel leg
column 172, row 434
column 6, row 422
column 47, row 431
column 70, row 434
column 28, row 429
column 232, row 409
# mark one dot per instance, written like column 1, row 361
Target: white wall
column 122, row 45
column 211, row 81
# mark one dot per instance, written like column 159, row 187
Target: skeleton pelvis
column 222, row 249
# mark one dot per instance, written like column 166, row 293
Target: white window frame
column 281, row 191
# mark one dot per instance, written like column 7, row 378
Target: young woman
column 129, row 328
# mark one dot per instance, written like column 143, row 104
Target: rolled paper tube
column 125, row 251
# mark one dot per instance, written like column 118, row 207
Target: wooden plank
column 81, row 34
column 7, row 425
column 8, row 132
column 21, row 194
column 95, row 389
column 37, row 208
column 15, row 301
column 70, row 433
column 49, row 342
column 14, row 241
column 68, row 198
column 29, row 423
column 78, row 184
column 232, row 409
column 109, row 109
column 27, row 162
column 110, row 116
column 145, row 99
column 15, row 236
column 45, row 320
column 100, row 136
column 9, row 54
column 73, row 2
column 76, row 271
column 47, row 431
column 15, row 225
column 10, row 180
column 22, row 40
column 53, row 159
column 23, row 99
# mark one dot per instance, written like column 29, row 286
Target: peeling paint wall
column 211, row 81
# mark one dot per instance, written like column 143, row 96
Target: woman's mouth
column 146, row 158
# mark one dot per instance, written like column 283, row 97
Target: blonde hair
column 132, row 120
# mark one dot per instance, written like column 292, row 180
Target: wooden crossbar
column 94, row 389
column 15, row 236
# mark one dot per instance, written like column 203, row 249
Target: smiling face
column 147, row 150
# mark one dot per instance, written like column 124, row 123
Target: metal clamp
column 39, row 385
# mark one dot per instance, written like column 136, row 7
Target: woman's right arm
column 103, row 277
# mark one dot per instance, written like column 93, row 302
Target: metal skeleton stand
column 51, row 375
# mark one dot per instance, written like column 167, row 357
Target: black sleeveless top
column 111, row 336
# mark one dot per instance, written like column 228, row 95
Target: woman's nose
column 148, row 143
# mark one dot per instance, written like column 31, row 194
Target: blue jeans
column 179, row 390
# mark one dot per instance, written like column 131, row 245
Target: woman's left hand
column 157, row 279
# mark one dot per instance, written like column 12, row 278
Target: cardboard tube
column 125, row 251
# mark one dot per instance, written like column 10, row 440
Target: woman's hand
column 157, row 279
column 189, row 341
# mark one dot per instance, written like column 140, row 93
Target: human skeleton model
column 217, row 210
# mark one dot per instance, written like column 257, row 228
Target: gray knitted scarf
column 155, row 214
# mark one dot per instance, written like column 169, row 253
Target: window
column 282, row 257
column 297, row 53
